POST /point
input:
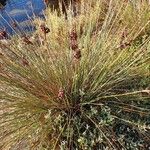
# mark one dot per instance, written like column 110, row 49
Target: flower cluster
column 26, row 40
column 3, row 34
column 74, row 44
column 44, row 29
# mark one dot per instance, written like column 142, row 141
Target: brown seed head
column 26, row 40
column 14, row 24
column 74, row 45
column 77, row 54
column 25, row 62
column 73, row 35
column 61, row 93
column 3, row 34
column 44, row 29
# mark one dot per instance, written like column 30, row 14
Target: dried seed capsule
column 47, row 30
column 3, row 34
column 46, row 2
column 73, row 35
column 14, row 24
column 124, row 45
column 44, row 29
column 74, row 45
column 25, row 62
column 26, row 40
column 61, row 93
column 77, row 54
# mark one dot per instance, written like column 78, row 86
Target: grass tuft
column 79, row 81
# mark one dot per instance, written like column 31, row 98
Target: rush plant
column 80, row 81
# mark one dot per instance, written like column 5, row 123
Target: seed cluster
column 13, row 24
column 26, row 40
column 24, row 61
column 3, row 34
column 44, row 29
column 61, row 93
column 123, row 42
column 74, row 44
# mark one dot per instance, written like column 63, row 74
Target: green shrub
column 78, row 83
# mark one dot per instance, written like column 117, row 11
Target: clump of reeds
column 78, row 83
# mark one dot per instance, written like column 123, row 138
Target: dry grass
column 70, row 87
